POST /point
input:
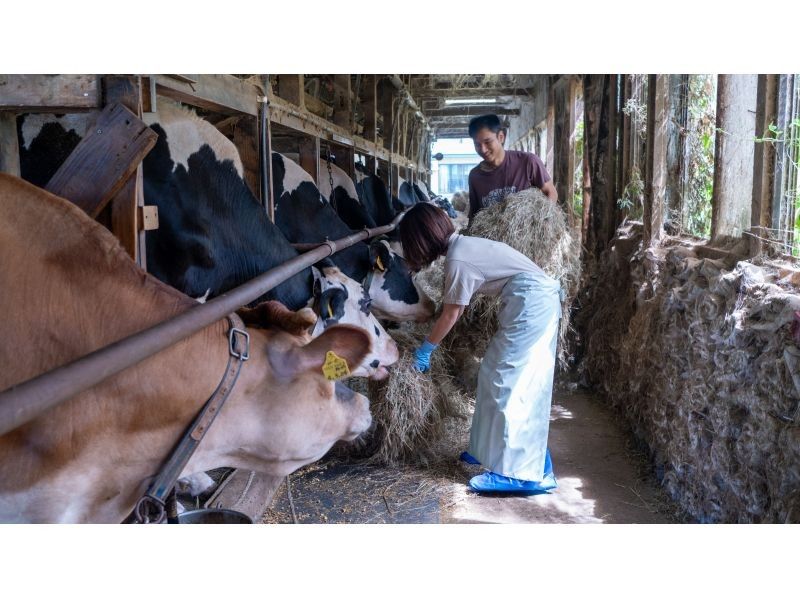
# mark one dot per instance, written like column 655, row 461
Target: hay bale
column 533, row 225
column 460, row 201
column 697, row 354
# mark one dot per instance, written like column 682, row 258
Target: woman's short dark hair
column 485, row 121
column 424, row 233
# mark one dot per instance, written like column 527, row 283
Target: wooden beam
column 309, row 156
column 342, row 103
column 369, row 106
column 656, row 164
column 47, row 93
column 104, row 160
column 219, row 93
column 127, row 204
column 302, row 121
column 292, row 89
column 468, row 111
column 731, row 201
column 248, row 492
column 487, row 92
column 9, row 144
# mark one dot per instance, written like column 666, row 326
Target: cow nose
column 375, row 363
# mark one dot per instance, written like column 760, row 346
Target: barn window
column 787, row 167
column 699, row 141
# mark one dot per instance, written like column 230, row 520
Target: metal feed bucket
column 213, row 516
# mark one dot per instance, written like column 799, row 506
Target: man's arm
column 549, row 189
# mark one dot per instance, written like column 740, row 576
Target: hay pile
column 410, row 408
column 699, row 355
column 535, row 226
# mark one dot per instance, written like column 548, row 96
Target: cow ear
column 331, row 304
column 379, row 256
column 334, row 354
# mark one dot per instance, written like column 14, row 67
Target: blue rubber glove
column 422, row 356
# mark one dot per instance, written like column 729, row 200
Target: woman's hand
column 422, row 356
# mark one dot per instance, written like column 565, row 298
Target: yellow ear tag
column 335, row 367
column 380, row 264
column 330, row 311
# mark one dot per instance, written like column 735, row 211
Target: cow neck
column 152, row 507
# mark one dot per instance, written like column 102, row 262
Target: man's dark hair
column 485, row 121
column 424, row 233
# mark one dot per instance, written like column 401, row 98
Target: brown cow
column 68, row 288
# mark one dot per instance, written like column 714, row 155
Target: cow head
column 395, row 294
column 298, row 413
column 341, row 300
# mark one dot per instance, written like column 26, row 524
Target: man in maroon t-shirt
column 501, row 172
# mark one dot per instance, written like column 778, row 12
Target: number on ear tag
column 335, row 367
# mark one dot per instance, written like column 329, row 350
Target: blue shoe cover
column 494, row 482
column 467, row 458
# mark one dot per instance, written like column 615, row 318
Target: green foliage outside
column 700, row 137
column 577, row 194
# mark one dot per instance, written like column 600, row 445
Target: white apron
column 515, row 380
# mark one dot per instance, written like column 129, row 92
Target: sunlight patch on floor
column 564, row 505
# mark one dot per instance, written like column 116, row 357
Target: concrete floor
column 602, row 479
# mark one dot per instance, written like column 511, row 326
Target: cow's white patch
column 204, row 298
column 424, row 188
column 187, row 133
column 340, row 179
column 294, row 175
column 33, row 123
column 384, row 349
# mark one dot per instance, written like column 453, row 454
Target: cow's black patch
column 397, row 280
column 374, row 196
column 305, row 217
column 213, row 233
column 46, row 152
column 331, row 305
column 350, row 210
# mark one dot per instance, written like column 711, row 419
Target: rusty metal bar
column 24, row 402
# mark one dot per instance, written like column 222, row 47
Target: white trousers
column 515, row 380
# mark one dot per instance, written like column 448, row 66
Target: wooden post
column 731, row 201
column 677, row 99
column 656, row 166
column 127, row 205
column 245, row 138
column 342, row 106
column 550, row 125
column 386, row 93
column 369, row 106
column 9, row 144
column 309, row 156
column 564, row 152
column 291, row 88
column 763, row 161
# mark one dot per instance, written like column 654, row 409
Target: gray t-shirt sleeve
column 461, row 280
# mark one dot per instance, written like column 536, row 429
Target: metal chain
column 330, row 177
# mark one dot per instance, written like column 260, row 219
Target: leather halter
column 151, row 508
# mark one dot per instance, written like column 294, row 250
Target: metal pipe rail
column 22, row 403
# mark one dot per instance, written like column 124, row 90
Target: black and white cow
column 305, row 216
column 374, row 196
column 213, row 234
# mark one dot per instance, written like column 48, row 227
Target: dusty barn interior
column 675, row 235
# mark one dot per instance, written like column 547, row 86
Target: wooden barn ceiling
column 445, row 99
